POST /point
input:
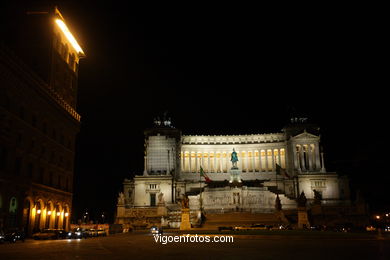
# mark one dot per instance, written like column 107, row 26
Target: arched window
column 3, row 157
column 30, row 169
column 7, row 102
column 18, row 165
column 51, row 178
column 21, row 112
column 13, row 207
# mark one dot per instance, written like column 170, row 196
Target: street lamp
column 103, row 217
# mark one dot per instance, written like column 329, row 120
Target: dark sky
column 224, row 70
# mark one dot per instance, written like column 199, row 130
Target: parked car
column 101, row 232
column 14, row 235
column 156, row 230
column 370, row 228
column 2, row 237
column 78, row 233
column 50, row 234
column 61, row 234
column 93, row 232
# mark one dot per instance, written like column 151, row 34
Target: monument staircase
column 275, row 190
column 232, row 219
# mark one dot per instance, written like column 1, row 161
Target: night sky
column 224, row 69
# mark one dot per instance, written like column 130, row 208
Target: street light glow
column 69, row 36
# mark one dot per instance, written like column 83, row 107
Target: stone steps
column 240, row 218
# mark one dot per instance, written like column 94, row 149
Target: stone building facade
column 39, row 124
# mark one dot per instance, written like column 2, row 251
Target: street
column 143, row 246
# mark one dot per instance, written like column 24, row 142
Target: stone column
column 227, row 162
column 145, row 165
column 296, row 158
column 215, row 162
column 223, row 163
column 241, row 160
column 208, row 162
column 322, row 163
column 182, row 154
column 260, row 164
column 190, row 161
column 301, row 155
column 279, row 158
column 197, row 161
column 273, row 160
column 266, row 161
column 244, row 162
column 220, row 162
column 310, row 156
column 318, row 160
column 253, row 161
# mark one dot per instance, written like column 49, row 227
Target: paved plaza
column 245, row 246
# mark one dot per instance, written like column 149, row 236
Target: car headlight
column 78, row 233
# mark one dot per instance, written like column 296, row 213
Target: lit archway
column 38, row 215
column 66, row 216
column 27, row 210
column 57, row 217
column 49, row 214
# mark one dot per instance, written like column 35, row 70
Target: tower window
column 34, row 121
column 18, row 165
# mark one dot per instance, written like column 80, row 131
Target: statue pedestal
column 316, row 209
column 303, row 218
column 161, row 210
column 235, row 175
column 185, row 219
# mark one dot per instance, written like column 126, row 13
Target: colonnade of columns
column 307, row 158
column 263, row 160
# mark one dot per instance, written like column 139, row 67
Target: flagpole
column 276, row 175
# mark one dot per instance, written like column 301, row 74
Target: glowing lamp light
column 49, row 212
column 58, row 213
column 377, row 217
column 66, row 214
column 69, row 35
column 38, row 211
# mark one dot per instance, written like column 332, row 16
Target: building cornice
column 234, row 139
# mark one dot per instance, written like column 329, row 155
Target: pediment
column 305, row 135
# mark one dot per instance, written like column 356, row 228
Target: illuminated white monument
column 246, row 171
